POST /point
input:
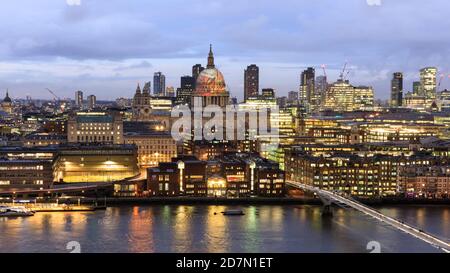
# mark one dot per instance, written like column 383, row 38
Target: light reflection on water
column 182, row 228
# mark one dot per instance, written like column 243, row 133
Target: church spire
column 210, row 58
column 7, row 98
column 138, row 89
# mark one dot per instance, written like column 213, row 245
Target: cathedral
column 141, row 103
column 6, row 104
column 210, row 85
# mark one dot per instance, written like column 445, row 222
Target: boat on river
column 233, row 212
column 8, row 211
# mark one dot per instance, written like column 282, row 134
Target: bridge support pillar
column 327, row 211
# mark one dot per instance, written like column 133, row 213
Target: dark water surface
column 182, row 228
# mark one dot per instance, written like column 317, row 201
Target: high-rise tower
column 428, row 82
column 251, row 81
column 159, row 84
column 307, row 83
column 397, row 89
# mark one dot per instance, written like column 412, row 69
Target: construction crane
column 341, row 76
column 324, row 71
column 441, row 77
column 346, row 74
column 54, row 95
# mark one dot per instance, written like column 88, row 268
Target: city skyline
column 58, row 53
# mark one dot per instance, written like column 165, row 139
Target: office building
column 25, row 174
column 251, row 81
column 342, row 96
column 91, row 163
column 397, row 89
column 232, row 175
column 170, row 91
column 425, row 182
column 268, row 93
column 153, row 147
column 320, row 90
column 416, row 88
column 159, row 84
column 163, row 180
column 186, row 89
column 196, row 70
column 307, row 86
column 292, row 97
column 92, row 101
column 79, row 99
column 95, row 127
column 428, row 82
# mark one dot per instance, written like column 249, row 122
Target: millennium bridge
column 328, row 198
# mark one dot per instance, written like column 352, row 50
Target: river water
column 202, row 228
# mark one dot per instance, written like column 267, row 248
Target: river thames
column 202, row 228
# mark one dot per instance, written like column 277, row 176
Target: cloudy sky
column 105, row 47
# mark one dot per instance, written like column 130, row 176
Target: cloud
column 142, row 64
column 132, row 37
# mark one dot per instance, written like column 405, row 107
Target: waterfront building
column 397, row 89
column 159, row 84
column 232, row 174
column 163, row 180
column 25, row 174
column 365, row 175
column 95, row 127
column 425, row 182
column 251, row 81
column 192, row 179
column 89, row 163
column 153, row 147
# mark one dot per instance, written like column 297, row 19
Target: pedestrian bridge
column 329, row 197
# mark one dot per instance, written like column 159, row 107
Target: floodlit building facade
column 95, row 127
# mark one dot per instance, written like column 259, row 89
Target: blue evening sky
column 105, row 47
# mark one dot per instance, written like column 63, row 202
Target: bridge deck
column 420, row 234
